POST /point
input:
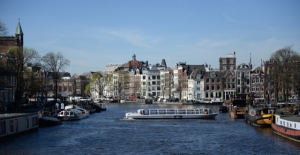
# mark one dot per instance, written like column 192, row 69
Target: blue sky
column 95, row 33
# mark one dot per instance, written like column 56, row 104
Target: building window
column 153, row 82
column 233, row 85
column 212, row 87
column 11, row 122
column 207, row 87
column 16, row 122
column 70, row 88
column 144, row 77
column 207, row 80
column 153, row 77
column 2, row 128
column 158, row 77
column 34, row 121
column 158, row 87
column 224, row 68
column 233, row 79
column 65, row 88
column 212, row 80
column 224, row 61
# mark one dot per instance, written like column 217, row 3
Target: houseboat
column 73, row 114
column 287, row 126
column 14, row 123
column 260, row 116
column 171, row 113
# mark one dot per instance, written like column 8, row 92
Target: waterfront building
column 213, row 88
column 10, row 83
column 180, row 81
column 195, row 82
column 243, row 80
column 151, row 82
column 67, row 85
column 228, row 63
column 229, row 84
column 167, row 84
column 228, row 67
column 257, row 85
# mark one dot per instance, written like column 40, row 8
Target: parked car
column 160, row 99
column 175, row 100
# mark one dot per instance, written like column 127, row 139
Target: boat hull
column 171, row 114
column 286, row 132
column 167, row 116
column 287, row 126
column 264, row 120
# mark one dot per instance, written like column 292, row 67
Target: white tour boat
column 171, row 113
column 73, row 114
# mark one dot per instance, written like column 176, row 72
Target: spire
column 19, row 29
column 163, row 63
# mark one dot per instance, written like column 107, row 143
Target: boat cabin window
column 11, row 125
column 2, row 127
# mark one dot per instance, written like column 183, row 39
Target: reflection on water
column 108, row 133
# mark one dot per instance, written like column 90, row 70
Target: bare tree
column 121, row 84
column 54, row 63
column 182, row 83
column 3, row 29
column 283, row 69
column 20, row 56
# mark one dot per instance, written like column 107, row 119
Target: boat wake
column 127, row 119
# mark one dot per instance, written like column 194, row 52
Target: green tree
column 87, row 90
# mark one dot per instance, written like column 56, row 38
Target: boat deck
column 294, row 118
column 9, row 115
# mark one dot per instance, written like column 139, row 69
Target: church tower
column 19, row 35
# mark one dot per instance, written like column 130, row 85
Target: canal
column 109, row 133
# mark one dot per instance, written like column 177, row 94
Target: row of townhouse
column 187, row 82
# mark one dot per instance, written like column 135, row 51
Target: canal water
column 108, row 133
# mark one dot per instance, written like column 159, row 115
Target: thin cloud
column 230, row 19
column 133, row 37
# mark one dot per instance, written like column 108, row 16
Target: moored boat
column 260, row 116
column 171, row 113
column 287, row 126
column 223, row 109
column 15, row 123
column 73, row 114
column 46, row 121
